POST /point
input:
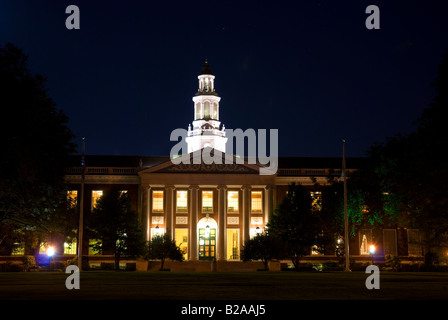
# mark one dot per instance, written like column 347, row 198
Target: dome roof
column 206, row 68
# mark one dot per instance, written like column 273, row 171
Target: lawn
column 110, row 285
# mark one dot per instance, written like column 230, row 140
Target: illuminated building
column 210, row 210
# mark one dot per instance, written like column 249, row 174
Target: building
column 211, row 209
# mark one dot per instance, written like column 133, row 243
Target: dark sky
column 310, row 69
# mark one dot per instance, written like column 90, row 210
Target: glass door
column 207, row 243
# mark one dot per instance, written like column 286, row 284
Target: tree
column 296, row 223
column 412, row 171
column 163, row 247
column 263, row 247
column 62, row 224
column 36, row 144
column 116, row 227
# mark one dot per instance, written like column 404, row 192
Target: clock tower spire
column 206, row 131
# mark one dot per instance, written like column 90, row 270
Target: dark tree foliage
column 162, row 247
column 263, row 247
column 116, row 227
column 62, row 225
column 412, row 171
column 36, row 143
column 297, row 224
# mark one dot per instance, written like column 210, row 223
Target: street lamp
column 372, row 251
column 50, row 253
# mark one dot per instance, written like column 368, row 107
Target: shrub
column 11, row 267
column 393, row 262
column 29, row 263
column 331, row 266
column 107, row 266
column 73, row 261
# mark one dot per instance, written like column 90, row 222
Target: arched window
column 207, row 110
column 198, row 111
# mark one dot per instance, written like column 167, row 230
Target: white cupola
column 206, row 131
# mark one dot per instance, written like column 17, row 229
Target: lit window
column 157, row 201
column 207, row 201
column 316, row 200
column 207, row 243
column 232, row 201
column 157, row 232
column 95, row 246
column 18, row 248
column 182, row 241
column 253, row 232
column 364, row 245
column 96, row 195
column 315, row 250
column 233, row 244
column 256, row 201
column 70, row 248
column 181, row 201
column 72, row 197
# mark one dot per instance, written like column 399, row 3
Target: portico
column 210, row 210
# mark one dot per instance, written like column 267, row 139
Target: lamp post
column 346, row 239
column 81, row 206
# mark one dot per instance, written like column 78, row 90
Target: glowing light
column 50, row 251
column 372, row 249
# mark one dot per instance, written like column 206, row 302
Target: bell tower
column 206, row 131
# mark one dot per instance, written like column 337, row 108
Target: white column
column 169, row 190
column 148, row 213
column 193, row 242
column 246, row 213
column 268, row 202
column 221, row 222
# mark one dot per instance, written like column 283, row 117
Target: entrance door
column 207, row 243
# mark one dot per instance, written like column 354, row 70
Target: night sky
column 310, row 69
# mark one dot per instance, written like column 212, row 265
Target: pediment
column 195, row 163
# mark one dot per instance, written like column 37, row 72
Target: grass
column 110, row 285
